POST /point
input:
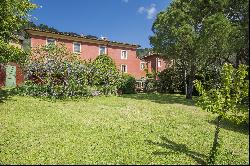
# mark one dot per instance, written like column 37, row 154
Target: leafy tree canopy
column 199, row 33
column 13, row 15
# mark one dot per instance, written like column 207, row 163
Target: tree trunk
column 190, row 86
column 185, row 81
column 216, row 144
column 237, row 61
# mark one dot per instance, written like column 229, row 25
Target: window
column 76, row 47
column 50, row 41
column 159, row 63
column 124, row 54
column 102, row 50
column 172, row 62
column 124, row 68
column 143, row 65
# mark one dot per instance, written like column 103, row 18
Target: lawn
column 130, row 129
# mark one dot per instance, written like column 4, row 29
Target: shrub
column 55, row 72
column 105, row 76
column 151, row 85
column 150, row 75
column 128, row 84
column 171, row 80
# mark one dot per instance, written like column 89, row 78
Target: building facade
column 88, row 48
column 123, row 54
column 154, row 63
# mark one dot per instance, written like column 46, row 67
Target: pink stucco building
column 123, row 54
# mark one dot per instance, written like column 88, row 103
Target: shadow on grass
column 3, row 95
column 177, row 148
column 161, row 98
column 232, row 126
column 6, row 94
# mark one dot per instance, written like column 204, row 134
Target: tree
column 13, row 15
column 9, row 53
column 225, row 100
column 46, row 28
column 197, row 33
column 235, row 46
column 238, row 13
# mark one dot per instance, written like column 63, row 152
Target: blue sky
column 120, row 20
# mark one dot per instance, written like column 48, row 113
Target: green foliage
column 13, row 15
column 10, row 53
column 225, row 100
column 171, row 80
column 53, row 71
column 45, row 27
column 151, row 85
column 200, row 33
column 238, row 12
column 209, row 77
column 141, row 53
column 105, row 76
column 150, row 75
column 128, row 84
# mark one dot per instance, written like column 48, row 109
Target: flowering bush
column 53, row 71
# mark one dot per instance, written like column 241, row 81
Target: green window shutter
column 10, row 76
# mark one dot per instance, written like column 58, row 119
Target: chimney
column 103, row 38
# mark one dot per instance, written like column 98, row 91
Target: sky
column 127, row 21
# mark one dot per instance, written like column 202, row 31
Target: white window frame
column 126, row 54
column 100, row 49
column 50, row 38
column 158, row 63
column 126, row 68
column 144, row 65
column 74, row 47
column 172, row 62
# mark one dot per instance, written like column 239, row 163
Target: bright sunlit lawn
column 131, row 129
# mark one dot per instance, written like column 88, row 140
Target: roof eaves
column 66, row 34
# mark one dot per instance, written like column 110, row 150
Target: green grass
column 131, row 129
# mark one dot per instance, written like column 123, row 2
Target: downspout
column 107, row 48
column 156, row 70
column 156, row 65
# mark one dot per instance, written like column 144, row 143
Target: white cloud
column 141, row 9
column 126, row 1
column 150, row 11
